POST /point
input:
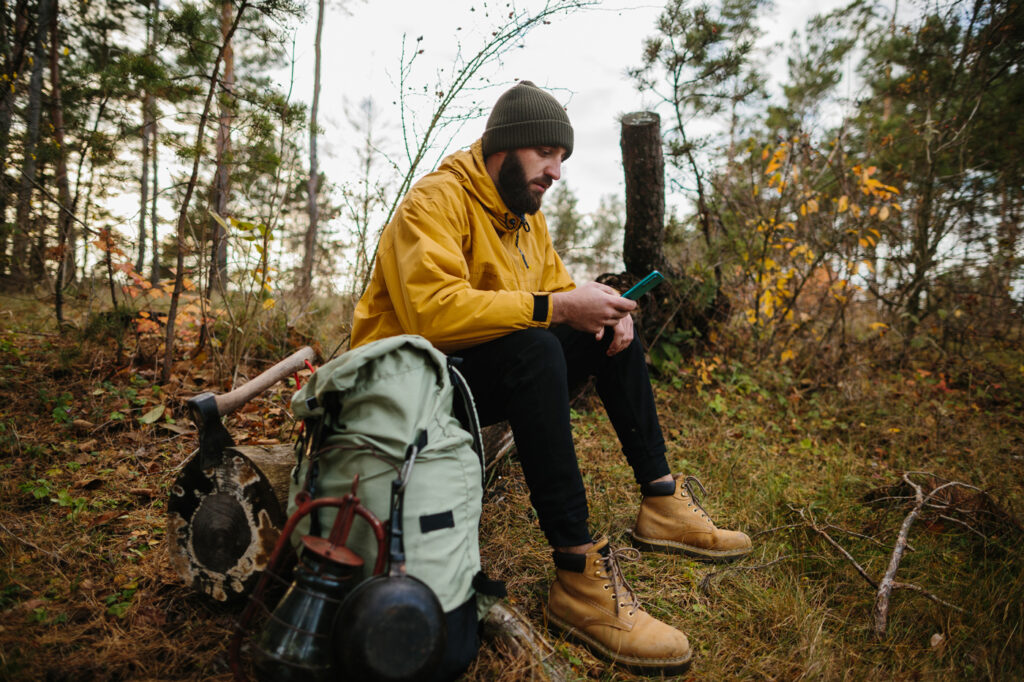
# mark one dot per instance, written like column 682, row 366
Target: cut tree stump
column 644, row 168
column 223, row 521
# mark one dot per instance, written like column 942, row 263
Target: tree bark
column 222, row 180
column 505, row 624
column 224, row 521
column 155, row 273
column 312, row 185
column 140, row 258
column 65, row 209
column 22, row 226
column 644, row 167
column 14, row 56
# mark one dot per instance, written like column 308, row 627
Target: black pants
column 524, row 377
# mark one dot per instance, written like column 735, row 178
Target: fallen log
column 227, row 506
column 506, row 625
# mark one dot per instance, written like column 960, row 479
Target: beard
column 514, row 187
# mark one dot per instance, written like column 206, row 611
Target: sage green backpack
column 361, row 412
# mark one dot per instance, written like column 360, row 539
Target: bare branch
column 705, row 582
column 809, row 517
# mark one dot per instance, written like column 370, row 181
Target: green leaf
column 152, row 415
column 219, row 220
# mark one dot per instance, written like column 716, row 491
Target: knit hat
column 526, row 116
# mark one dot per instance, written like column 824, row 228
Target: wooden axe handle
column 232, row 400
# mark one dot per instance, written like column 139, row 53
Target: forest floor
column 813, row 470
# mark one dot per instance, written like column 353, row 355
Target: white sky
column 581, row 57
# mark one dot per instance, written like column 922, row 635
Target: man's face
column 525, row 175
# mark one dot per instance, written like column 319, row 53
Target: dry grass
column 86, row 592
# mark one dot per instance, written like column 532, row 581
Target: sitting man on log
column 467, row 262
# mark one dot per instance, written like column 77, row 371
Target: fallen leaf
column 152, row 415
column 101, row 519
column 83, row 425
column 89, row 483
column 176, row 428
column 88, row 445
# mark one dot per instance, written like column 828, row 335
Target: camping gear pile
column 380, row 440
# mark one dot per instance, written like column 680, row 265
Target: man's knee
column 539, row 347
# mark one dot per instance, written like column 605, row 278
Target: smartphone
column 643, row 286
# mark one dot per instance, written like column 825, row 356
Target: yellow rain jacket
column 456, row 266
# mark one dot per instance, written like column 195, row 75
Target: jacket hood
column 469, row 167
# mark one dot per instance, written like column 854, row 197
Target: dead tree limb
column 506, row 625
column 809, row 518
column 888, row 582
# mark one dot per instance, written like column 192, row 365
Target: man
column 468, row 263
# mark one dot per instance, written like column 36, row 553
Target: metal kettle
column 295, row 641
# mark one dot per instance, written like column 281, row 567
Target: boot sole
column 673, row 547
column 640, row 666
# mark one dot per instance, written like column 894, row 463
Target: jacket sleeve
column 427, row 278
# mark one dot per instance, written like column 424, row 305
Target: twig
column 965, row 525
column 705, row 582
column 849, row 557
column 859, row 535
column 926, row 593
column 766, row 531
column 28, row 543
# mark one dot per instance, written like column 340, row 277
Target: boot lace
column 621, row 590
column 688, row 483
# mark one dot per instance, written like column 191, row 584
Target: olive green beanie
column 526, row 116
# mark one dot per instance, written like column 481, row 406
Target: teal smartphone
column 643, row 286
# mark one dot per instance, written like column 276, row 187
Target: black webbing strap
column 469, row 410
column 315, row 436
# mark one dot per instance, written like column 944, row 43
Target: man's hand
column 591, row 308
column 623, row 335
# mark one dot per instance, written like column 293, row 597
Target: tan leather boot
column 591, row 603
column 672, row 520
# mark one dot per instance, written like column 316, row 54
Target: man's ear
column 493, row 164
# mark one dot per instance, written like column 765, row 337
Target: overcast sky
column 581, row 57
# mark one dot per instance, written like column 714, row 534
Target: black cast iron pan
column 391, row 627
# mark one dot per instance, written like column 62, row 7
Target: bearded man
column 467, row 263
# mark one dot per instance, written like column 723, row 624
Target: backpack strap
column 463, row 394
column 316, row 431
